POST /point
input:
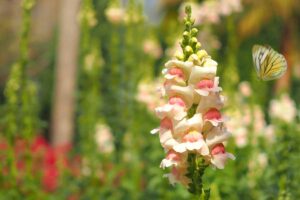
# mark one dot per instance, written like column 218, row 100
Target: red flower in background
column 46, row 161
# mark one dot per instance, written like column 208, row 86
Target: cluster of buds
column 192, row 125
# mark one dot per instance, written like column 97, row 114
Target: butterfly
column 269, row 64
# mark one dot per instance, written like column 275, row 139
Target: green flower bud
column 194, row 40
column 186, row 35
column 179, row 55
column 194, row 58
column 201, row 54
column 194, row 31
column 188, row 49
column 198, row 45
column 188, row 24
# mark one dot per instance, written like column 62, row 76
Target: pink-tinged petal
column 177, row 101
column 210, row 63
column 193, row 145
column 196, row 121
column 175, row 112
column 166, row 123
column 218, row 149
column 213, row 116
column 220, row 156
column 169, row 144
column 164, row 136
column 217, row 135
column 200, row 73
column 181, row 127
column 204, row 151
column 154, row 131
column 179, row 113
column 230, row 156
column 175, row 71
column 177, row 175
column 180, row 148
column 192, row 136
column 185, row 66
column 172, row 159
column 212, row 113
column 189, row 142
column 213, row 100
column 219, row 160
column 184, row 125
column 170, row 77
column 205, row 84
column 202, row 92
column 162, row 111
column 166, row 139
column 185, row 93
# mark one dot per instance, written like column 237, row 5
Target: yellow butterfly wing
column 268, row 63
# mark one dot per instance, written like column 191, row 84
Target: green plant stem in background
column 197, row 166
column 20, row 93
column 89, row 88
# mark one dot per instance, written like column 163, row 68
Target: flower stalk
column 20, row 92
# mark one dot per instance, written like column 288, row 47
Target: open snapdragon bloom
column 220, row 156
column 192, row 125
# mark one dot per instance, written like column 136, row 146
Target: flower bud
column 194, row 31
column 202, row 53
column 188, row 49
column 186, row 35
column 194, row 40
column 179, row 55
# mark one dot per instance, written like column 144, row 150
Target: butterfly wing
column 269, row 64
column 275, row 66
column 259, row 54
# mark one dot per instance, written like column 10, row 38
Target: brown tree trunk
column 62, row 129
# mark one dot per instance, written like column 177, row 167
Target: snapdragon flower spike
column 192, row 126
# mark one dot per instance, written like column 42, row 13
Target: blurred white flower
column 148, row 94
column 241, row 137
column 152, row 48
column 262, row 159
column 259, row 120
column 245, row 88
column 284, row 109
column 226, row 7
column 115, row 15
column 104, row 138
column 269, row 133
column 172, row 49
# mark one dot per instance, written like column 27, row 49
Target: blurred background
column 79, row 79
